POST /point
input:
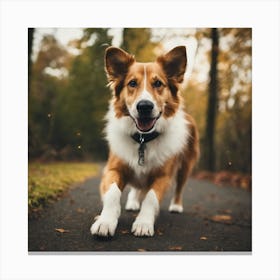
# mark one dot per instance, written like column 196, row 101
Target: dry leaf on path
column 141, row 250
column 81, row 210
column 221, row 218
column 125, row 231
column 62, row 230
column 159, row 232
column 175, row 248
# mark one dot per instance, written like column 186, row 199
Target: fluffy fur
column 146, row 99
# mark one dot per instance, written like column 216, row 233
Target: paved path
column 64, row 225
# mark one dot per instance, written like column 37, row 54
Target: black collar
column 144, row 137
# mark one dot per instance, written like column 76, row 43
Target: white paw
column 132, row 205
column 104, row 227
column 177, row 208
column 142, row 228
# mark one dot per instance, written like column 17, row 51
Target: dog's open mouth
column 145, row 124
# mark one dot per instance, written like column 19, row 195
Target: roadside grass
column 47, row 181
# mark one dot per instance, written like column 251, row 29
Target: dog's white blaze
column 107, row 222
column 145, row 94
column 145, row 78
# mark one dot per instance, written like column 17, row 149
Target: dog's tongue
column 145, row 124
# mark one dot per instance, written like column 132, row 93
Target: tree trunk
column 212, row 104
column 30, row 45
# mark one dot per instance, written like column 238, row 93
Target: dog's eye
column 157, row 84
column 132, row 83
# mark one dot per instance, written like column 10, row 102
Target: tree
column 42, row 101
column 212, row 103
column 86, row 100
column 232, row 127
column 30, row 46
column 69, row 99
column 137, row 41
column 234, row 122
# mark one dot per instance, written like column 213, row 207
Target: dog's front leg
column 144, row 223
column 111, row 188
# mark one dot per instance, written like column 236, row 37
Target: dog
column 153, row 142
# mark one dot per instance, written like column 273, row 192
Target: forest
column 68, row 96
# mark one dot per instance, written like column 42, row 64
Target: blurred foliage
column 86, row 100
column 233, row 129
column 66, row 110
column 137, row 41
column 47, row 181
column 68, row 96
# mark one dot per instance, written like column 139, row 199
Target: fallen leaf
column 159, row 232
column 197, row 207
column 62, row 230
column 221, row 218
column 226, row 211
column 203, row 238
column 141, row 250
column 175, row 248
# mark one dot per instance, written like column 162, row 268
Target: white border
column 16, row 16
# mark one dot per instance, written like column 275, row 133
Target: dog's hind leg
column 176, row 204
column 187, row 160
column 133, row 199
column 183, row 173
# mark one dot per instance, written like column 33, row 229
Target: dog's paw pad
column 102, row 227
column 142, row 229
column 175, row 208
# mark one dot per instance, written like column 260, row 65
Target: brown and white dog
column 153, row 142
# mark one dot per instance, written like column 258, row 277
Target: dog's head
column 146, row 92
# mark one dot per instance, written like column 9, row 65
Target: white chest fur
column 172, row 139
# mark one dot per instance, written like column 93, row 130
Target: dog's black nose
column 145, row 107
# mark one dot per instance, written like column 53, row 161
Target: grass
column 46, row 181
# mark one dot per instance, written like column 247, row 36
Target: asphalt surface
column 215, row 219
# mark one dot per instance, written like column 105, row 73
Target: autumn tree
column 86, row 100
column 69, row 98
column 30, row 46
column 231, row 132
column 44, row 88
column 234, row 123
column 137, row 41
column 210, row 156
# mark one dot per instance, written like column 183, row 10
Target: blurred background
column 68, row 97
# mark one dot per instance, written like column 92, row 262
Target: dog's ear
column 174, row 63
column 117, row 62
